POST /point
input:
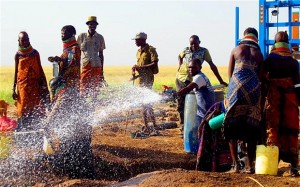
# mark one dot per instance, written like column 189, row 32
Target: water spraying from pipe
column 72, row 126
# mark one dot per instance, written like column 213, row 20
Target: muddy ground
column 121, row 160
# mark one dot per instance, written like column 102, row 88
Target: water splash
column 121, row 99
column 24, row 165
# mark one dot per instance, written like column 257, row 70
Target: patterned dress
column 69, row 69
column 243, row 98
column 67, row 91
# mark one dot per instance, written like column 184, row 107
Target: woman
column 243, row 111
column 66, row 85
column 32, row 92
column 281, row 106
column 67, row 123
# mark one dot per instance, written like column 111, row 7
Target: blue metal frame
column 237, row 25
column 264, row 24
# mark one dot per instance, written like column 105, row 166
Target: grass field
column 114, row 75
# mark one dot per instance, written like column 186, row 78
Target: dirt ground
column 120, row 160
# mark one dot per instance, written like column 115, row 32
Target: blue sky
column 169, row 24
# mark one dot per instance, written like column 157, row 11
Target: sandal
column 248, row 170
column 234, row 169
column 294, row 172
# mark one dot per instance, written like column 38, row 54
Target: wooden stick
column 256, row 181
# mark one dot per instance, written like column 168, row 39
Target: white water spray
column 19, row 168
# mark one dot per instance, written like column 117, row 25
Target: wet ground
column 121, row 160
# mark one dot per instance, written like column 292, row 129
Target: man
column 32, row 92
column 282, row 122
column 147, row 59
column 183, row 78
column 243, row 111
column 92, row 60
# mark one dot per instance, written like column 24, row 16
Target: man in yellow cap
column 92, row 60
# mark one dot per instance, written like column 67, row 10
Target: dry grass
column 114, row 75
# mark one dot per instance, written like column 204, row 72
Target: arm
column 138, row 68
column 187, row 89
column 101, row 56
column 214, row 68
column 231, row 64
column 14, row 94
column 79, row 40
column 180, row 60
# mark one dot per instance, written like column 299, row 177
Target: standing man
column 92, row 60
column 243, row 111
column 183, row 78
column 32, row 92
column 147, row 60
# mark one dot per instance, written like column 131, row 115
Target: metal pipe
column 124, row 118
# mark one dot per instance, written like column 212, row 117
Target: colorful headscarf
column 281, row 48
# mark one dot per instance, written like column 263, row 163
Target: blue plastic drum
column 190, row 133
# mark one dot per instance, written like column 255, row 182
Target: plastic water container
column 47, row 146
column 216, row 122
column 266, row 160
column 5, row 143
column 55, row 69
column 190, row 133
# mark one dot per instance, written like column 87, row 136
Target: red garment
column 90, row 81
column 282, row 120
column 7, row 124
column 31, row 84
